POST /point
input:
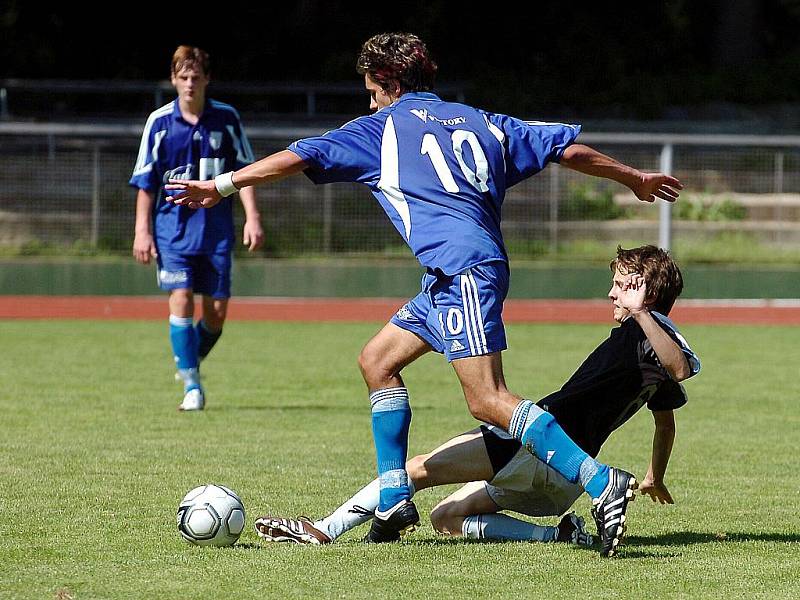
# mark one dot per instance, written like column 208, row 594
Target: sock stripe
column 389, row 399
column 180, row 321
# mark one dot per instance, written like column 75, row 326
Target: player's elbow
column 681, row 371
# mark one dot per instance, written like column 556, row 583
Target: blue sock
column 539, row 432
column 184, row 347
column 205, row 339
column 391, row 418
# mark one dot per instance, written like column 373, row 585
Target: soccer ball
column 211, row 515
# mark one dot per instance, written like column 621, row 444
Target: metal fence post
column 95, row 233
column 554, row 189
column 665, row 208
column 327, row 217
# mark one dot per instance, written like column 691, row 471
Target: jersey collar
column 176, row 110
column 430, row 97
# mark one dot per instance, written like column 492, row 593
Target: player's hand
column 657, row 491
column 253, row 235
column 657, row 185
column 633, row 294
column 194, row 194
column 144, row 248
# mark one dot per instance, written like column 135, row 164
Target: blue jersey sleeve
column 244, row 152
column 530, row 145
column 350, row 153
column 144, row 174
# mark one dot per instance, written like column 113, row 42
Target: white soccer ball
column 211, row 515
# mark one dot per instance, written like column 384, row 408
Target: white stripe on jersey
column 546, row 123
column 389, row 182
column 244, row 153
column 142, row 164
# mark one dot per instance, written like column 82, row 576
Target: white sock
column 497, row 526
column 357, row 510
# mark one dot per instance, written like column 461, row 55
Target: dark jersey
column 619, row 377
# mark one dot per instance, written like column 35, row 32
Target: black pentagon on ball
column 184, row 512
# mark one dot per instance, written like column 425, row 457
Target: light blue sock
column 497, row 526
column 539, row 432
column 184, row 347
column 205, row 338
column 391, row 418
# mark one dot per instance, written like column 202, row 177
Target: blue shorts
column 206, row 274
column 459, row 315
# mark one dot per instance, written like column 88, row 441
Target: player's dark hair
column 400, row 57
column 661, row 274
column 190, row 56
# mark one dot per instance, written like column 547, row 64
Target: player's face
column 378, row 97
column 617, row 281
column 190, row 83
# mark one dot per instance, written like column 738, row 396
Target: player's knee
column 417, row 471
column 181, row 303
column 373, row 367
column 445, row 519
column 490, row 407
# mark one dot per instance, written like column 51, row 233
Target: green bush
column 585, row 201
column 701, row 208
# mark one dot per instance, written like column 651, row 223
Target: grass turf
column 95, row 459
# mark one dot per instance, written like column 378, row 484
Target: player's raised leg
column 381, row 361
column 490, row 400
column 184, row 346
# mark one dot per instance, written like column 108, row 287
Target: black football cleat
column 609, row 510
column 572, row 530
column 399, row 520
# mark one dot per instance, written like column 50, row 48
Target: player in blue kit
column 191, row 138
column 440, row 171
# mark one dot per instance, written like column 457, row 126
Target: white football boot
column 193, row 400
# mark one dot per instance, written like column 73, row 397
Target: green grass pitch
column 94, row 459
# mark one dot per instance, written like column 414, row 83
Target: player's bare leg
column 381, row 361
column 209, row 328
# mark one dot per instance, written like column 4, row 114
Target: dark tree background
column 632, row 59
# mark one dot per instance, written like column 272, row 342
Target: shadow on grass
column 687, row 538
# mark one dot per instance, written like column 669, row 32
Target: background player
column 191, row 138
column 640, row 363
column 440, row 171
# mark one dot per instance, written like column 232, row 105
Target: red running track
column 748, row 312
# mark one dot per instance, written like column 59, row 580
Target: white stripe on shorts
column 481, row 328
column 473, row 321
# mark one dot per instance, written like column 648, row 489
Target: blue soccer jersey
column 171, row 147
column 440, row 170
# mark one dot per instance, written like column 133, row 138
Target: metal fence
column 63, row 189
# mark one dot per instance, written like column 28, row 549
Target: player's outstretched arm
column 205, row 194
column 663, row 439
column 646, row 186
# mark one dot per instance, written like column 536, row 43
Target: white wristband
column 224, row 184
